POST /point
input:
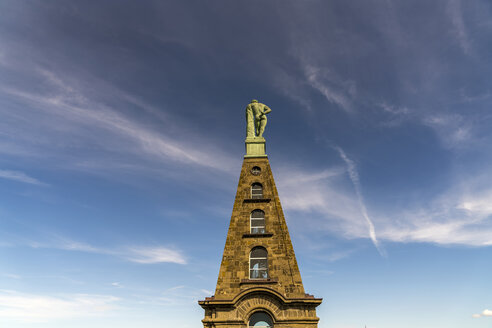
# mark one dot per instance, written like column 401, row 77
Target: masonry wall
column 282, row 295
column 234, row 270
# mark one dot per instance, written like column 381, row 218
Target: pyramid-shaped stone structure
column 259, row 282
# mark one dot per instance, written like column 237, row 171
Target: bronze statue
column 256, row 119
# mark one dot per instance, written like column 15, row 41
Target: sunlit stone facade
column 259, row 282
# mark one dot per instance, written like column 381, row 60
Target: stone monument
column 259, row 283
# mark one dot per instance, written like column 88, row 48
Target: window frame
column 269, row 319
column 256, row 170
column 259, row 227
column 255, row 196
column 258, row 270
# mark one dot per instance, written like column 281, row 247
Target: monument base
column 255, row 147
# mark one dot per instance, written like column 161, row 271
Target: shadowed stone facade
column 281, row 293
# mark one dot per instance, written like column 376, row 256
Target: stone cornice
column 257, row 200
column 257, row 235
column 308, row 299
column 259, row 281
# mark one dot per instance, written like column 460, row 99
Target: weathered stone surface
column 281, row 295
column 255, row 147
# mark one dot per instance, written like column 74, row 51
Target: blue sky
column 122, row 135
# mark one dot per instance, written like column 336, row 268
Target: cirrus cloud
column 26, row 307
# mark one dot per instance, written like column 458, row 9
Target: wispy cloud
column 70, row 245
column 101, row 125
column 20, row 177
column 11, row 275
column 477, row 203
column 181, row 295
column 41, row 308
column 485, row 313
column 335, row 255
column 324, row 201
column 207, row 292
column 354, row 177
column 427, row 229
column 456, row 16
column 460, row 216
column 394, row 110
column 314, row 191
column 453, row 130
column 396, row 115
column 138, row 254
column 148, row 142
column 148, row 255
column 335, row 91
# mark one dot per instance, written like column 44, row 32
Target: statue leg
column 263, row 123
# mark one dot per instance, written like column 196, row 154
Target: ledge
column 259, row 281
column 258, row 286
column 257, row 200
column 257, row 235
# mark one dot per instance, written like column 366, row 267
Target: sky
column 122, row 136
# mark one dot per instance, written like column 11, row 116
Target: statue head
column 254, row 101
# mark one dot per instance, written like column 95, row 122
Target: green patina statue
column 256, row 119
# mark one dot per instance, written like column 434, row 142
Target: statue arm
column 266, row 110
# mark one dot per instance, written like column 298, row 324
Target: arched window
column 258, row 263
column 256, row 190
column 257, row 221
column 260, row 319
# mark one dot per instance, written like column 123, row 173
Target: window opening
column 256, row 190
column 258, row 263
column 256, row 170
column 261, row 319
column 257, row 221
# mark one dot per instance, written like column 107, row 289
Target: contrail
column 354, row 176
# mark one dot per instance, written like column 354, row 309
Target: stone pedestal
column 255, row 147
